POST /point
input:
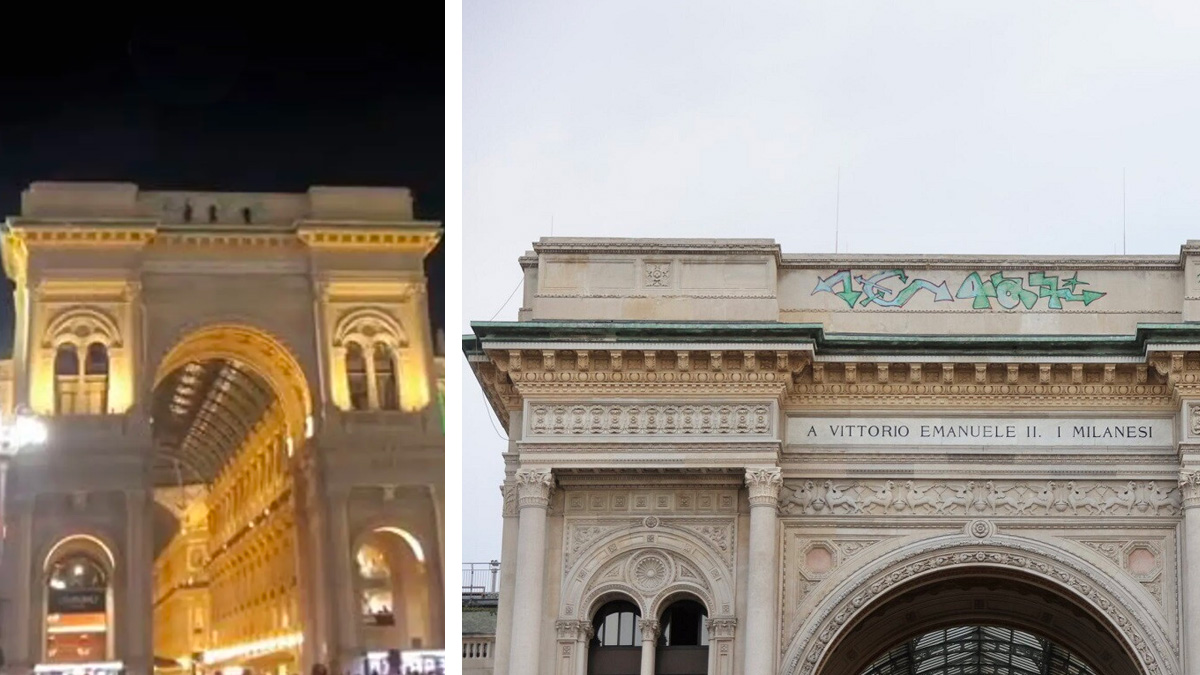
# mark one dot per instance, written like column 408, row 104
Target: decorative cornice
column 533, row 488
column 764, row 485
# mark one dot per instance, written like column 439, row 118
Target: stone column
column 720, row 645
column 533, row 498
column 139, row 589
column 761, row 586
column 345, row 609
column 1189, row 485
column 584, row 632
column 649, row 628
column 508, row 578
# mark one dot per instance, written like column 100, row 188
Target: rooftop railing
column 481, row 580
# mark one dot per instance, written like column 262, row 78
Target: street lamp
column 23, row 431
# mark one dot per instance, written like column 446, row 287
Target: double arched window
column 82, row 339
column 372, row 382
column 81, row 384
column 371, row 343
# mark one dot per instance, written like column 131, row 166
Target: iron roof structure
column 979, row 650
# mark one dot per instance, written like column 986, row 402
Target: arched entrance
column 231, row 410
column 78, row 625
column 394, row 586
column 958, row 584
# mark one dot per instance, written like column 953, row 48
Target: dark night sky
column 255, row 111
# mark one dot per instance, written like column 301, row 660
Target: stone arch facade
column 1138, row 627
column 651, row 564
column 984, row 428
column 161, row 294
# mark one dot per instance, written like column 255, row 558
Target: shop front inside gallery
column 724, row 458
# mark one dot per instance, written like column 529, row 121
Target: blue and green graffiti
column 1008, row 292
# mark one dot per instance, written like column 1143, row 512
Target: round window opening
column 972, row 650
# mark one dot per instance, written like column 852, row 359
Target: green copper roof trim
column 617, row 332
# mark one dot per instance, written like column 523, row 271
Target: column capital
column 533, row 487
column 570, row 629
column 508, row 489
column 721, row 627
column 650, row 629
column 1189, row 487
column 764, row 484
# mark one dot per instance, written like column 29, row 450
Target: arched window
column 66, row 379
column 684, row 624
column 387, row 390
column 683, row 639
column 616, row 645
column 617, row 625
column 356, row 376
column 95, row 379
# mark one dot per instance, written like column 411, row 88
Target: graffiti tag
column 894, row 288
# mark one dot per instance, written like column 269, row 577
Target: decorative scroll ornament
column 764, row 486
column 649, row 628
column 996, row 498
column 533, row 487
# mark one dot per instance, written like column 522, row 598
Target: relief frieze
column 834, row 497
column 650, row 420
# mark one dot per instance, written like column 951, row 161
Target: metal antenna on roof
column 837, row 214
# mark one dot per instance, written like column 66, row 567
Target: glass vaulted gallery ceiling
column 978, row 650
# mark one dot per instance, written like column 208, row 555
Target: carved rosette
column 649, row 572
column 649, row 628
column 1189, row 486
column 533, row 488
column 764, row 486
column 721, row 628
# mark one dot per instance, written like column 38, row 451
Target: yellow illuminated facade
column 243, row 393
column 182, row 607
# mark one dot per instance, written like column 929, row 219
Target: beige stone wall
column 753, row 280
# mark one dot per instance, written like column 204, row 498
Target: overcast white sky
column 958, row 127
